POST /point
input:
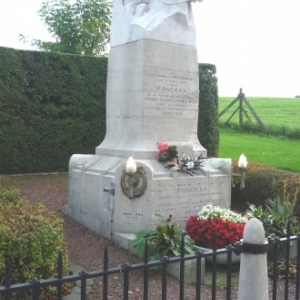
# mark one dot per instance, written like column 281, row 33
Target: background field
column 272, row 111
column 281, row 153
column 269, row 149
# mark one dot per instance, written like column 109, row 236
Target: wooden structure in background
column 242, row 100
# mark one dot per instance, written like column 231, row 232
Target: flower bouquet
column 168, row 154
column 227, row 225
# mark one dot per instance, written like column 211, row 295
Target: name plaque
column 180, row 197
column 171, row 95
column 183, row 197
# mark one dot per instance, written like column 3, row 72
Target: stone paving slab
column 75, row 292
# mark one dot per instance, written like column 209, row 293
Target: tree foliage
column 81, row 27
column 208, row 122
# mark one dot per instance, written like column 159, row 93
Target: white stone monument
column 152, row 96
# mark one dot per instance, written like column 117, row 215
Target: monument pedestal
column 167, row 192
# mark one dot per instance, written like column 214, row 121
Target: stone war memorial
column 152, row 96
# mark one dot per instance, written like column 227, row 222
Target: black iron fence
column 287, row 251
column 275, row 246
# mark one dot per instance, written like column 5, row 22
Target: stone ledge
column 125, row 239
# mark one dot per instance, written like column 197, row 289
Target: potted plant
column 165, row 240
column 162, row 241
column 276, row 216
column 225, row 224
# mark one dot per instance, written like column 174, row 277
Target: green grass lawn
column 272, row 111
column 281, row 153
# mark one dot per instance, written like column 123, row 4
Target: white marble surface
column 170, row 21
column 152, row 96
column 181, row 195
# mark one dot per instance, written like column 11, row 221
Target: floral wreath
column 169, row 155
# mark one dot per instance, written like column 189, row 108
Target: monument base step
column 125, row 239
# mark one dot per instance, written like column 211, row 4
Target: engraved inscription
column 185, row 197
column 171, row 96
column 132, row 216
column 181, row 198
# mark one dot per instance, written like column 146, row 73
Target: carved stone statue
column 149, row 14
column 132, row 17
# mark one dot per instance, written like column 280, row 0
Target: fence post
column 253, row 280
column 241, row 97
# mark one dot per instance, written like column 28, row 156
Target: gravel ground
column 86, row 248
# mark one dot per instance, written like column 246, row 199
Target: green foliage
column 282, row 211
column 164, row 240
column 259, row 213
column 81, row 27
column 263, row 183
column 32, row 237
column 51, row 106
column 275, row 216
column 9, row 195
column 172, row 151
column 208, row 122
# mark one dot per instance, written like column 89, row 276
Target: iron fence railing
column 8, row 289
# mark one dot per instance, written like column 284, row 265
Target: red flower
column 162, row 146
column 201, row 231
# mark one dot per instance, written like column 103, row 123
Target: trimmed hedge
column 49, row 109
column 53, row 106
column 263, row 182
column 208, row 122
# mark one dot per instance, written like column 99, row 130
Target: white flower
column 211, row 211
column 190, row 165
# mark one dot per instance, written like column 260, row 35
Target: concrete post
column 253, row 281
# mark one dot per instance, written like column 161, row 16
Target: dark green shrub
column 32, row 237
column 208, row 122
column 264, row 183
column 51, row 106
